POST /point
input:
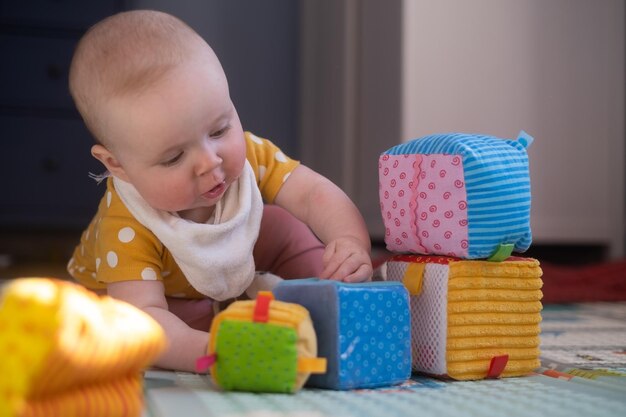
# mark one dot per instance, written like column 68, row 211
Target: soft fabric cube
column 456, row 195
column 69, row 352
column 363, row 330
column 262, row 345
column 256, row 357
column 472, row 319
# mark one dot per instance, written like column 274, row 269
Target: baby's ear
column 111, row 163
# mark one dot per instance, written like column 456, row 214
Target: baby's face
column 181, row 143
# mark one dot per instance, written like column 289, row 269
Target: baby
column 186, row 185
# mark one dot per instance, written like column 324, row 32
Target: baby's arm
column 185, row 344
column 332, row 216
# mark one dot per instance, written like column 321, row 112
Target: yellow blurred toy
column 67, row 352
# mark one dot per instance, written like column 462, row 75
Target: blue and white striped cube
column 457, row 194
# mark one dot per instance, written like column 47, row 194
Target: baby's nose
column 208, row 160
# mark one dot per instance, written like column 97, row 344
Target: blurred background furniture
column 335, row 83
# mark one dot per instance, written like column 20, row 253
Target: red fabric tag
column 497, row 365
column 262, row 308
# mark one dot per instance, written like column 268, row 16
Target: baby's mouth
column 216, row 191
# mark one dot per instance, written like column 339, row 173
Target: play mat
column 583, row 374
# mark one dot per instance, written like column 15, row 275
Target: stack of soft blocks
column 455, row 303
column 455, row 207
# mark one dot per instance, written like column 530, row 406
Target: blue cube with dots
column 363, row 330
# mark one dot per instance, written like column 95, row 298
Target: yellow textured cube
column 472, row 319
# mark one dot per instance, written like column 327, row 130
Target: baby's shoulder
column 111, row 204
column 114, row 218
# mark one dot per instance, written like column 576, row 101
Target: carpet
column 583, row 373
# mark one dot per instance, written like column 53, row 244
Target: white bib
column 215, row 257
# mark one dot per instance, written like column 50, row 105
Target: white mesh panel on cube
column 429, row 320
column 394, row 271
column 428, row 317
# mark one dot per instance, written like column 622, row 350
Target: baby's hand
column 346, row 259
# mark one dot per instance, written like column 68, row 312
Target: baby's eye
column 219, row 133
column 172, row 161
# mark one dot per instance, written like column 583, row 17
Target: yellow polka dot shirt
column 116, row 247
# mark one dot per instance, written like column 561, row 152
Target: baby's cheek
column 170, row 198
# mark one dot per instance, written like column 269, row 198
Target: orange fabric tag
column 312, row 365
column 414, row 277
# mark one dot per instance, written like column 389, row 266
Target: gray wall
column 553, row 68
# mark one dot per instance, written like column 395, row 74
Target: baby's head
column 122, row 56
column 155, row 97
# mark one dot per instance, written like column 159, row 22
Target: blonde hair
column 123, row 55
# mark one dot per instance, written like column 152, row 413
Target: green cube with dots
column 262, row 345
column 256, row 357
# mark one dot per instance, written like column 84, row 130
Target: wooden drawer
column 77, row 14
column 44, row 168
column 34, row 72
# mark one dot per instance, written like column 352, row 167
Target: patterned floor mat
column 583, row 374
